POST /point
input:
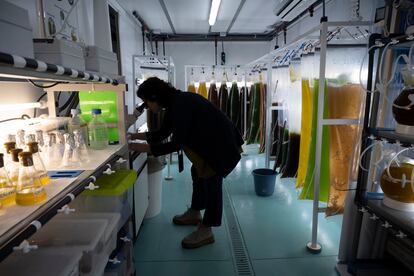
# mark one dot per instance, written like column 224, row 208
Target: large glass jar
column 403, row 108
column 397, row 187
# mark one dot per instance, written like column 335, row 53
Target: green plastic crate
column 115, row 184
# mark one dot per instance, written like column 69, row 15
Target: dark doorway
column 114, row 23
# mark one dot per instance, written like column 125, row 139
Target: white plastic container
column 101, row 61
column 61, row 52
column 120, row 204
column 15, row 30
column 41, row 262
column 154, row 194
column 81, row 235
column 111, row 230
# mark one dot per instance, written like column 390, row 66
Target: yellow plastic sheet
column 305, row 130
column 202, row 90
column 191, row 88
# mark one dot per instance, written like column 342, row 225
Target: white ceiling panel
column 151, row 11
column 189, row 16
column 226, row 13
column 255, row 16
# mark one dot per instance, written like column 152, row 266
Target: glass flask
column 14, row 166
column 80, row 152
column 403, row 107
column 41, row 143
column 53, row 155
column 29, row 190
column 20, row 142
column 7, row 191
column 67, row 159
column 78, row 123
column 38, row 164
column 8, row 146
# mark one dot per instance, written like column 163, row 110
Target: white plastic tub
column 41, row 262
column 80, row 235
column 121, row 204
column 61, row 52
column 100, row 60
column 111, row 230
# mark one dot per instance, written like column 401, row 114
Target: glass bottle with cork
column 14, row 166
column 29, row 190
column 38, row 164
column 7, row 191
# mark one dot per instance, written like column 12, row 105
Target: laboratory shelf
column 20, row 222
column 13, row 66
column 392, row 137
column 399, row 220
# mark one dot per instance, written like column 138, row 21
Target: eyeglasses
column 141, row 107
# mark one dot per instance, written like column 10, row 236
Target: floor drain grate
column 241, row 259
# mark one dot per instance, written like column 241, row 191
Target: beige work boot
column 189, row 217
column 202, row 236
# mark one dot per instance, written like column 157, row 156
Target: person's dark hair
column 157, row 90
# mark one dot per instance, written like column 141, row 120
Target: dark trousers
column 208, row 195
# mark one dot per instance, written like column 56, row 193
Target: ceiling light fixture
column 215, row 5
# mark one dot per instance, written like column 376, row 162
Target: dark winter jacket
column 196, row 123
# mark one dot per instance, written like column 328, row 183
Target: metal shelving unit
column 398, row 224
column 27, row 220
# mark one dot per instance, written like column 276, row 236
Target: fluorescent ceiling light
column 215, row 5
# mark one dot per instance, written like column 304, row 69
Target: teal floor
column 275, row 231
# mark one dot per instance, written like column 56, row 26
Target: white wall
column 202, row 53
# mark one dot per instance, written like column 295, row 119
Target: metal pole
column 313, row 246
column 169, row 176
column 134, row 84
column 245, row 102
column 185, row 77
column 40, row 15
column 268, row 104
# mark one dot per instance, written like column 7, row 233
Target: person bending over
column 209, row 139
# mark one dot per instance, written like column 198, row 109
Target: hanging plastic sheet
column 308, row 187
column 213, row 95
column 234, row 104
column 223, row 97
column 262, row 124
column 240, row 124
column 255, row 114
column 202, row 90
column 294, row 101
column 191, row 88
column 307, row 72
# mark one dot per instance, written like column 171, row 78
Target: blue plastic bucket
column 264, row 181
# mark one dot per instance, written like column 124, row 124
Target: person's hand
column 139, row 147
